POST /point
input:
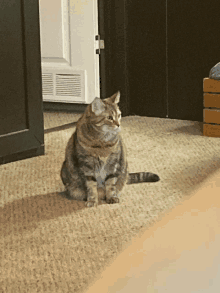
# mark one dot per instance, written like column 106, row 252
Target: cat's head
column 106, row 113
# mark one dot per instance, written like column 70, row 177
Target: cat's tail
column 142, row 177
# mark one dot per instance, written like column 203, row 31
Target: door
column 193, row 49
column 146, row 43
column 165, row 50
column 21, row 117
column 70, row 65
column 112, row 21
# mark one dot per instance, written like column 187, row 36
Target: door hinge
column 101, row 44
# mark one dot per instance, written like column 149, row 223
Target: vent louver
column 68, row 86
column 47, row 83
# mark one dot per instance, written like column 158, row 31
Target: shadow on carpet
column 24, row 214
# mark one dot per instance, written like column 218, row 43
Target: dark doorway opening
column 157, row 54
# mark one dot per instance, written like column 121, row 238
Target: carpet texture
column 51, row 244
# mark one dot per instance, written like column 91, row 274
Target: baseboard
column 64, row 107
column 23, row 155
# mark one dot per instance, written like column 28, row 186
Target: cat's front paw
column 90, row 204
column 113, row 199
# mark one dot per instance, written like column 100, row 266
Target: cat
column 95, row 166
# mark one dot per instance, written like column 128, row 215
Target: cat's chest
column 103, row 160
column 103, row 168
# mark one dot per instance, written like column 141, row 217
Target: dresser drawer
column 211, row 116
column 211, row 100
column 211, row 130
column 211, row 85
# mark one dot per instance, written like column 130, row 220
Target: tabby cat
column 95, row 166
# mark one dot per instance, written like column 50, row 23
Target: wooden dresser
column 211, row 111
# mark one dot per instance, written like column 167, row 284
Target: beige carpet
column 51, row 244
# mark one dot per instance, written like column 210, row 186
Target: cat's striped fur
column 95, row 165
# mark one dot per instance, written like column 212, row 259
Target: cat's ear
column 114, row 99
column 97, row 106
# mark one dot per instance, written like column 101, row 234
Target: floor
column 51, row 244
column 180, row 253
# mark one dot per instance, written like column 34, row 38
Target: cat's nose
column 117, row 124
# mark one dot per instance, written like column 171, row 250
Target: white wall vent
column 64, row 85
column 47, row 83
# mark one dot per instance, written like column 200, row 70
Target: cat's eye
column 110, row 118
